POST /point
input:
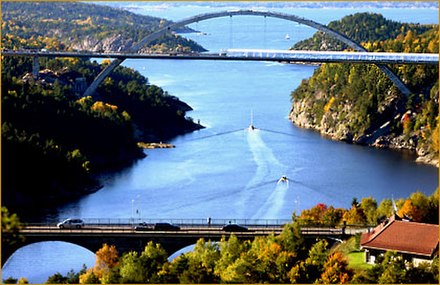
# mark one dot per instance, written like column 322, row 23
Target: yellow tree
column 417, row 207
column 355, row 216
column 336, row 270
column 107, row 257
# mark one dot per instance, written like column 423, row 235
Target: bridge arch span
column 202, row 17
column 124, row 242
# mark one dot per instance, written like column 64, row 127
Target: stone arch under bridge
column 172, row 241
column 124, row 241
column 160, row 32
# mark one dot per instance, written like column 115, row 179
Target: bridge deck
column 251, row 55
column 200, row 229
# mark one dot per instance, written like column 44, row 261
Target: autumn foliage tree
column 416, row 207
column 336, row 270
column 107, row 258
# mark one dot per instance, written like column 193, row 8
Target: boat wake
column 272, row 207
column 267, row 166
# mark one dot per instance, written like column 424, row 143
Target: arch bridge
column 125, row 238
column 155, row 35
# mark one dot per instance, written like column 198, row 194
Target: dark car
column 234, row 228
column 165, row 227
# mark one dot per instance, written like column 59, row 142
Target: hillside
column 81, row 26
column 56, row 143
column 357, row 103
column 360, row 27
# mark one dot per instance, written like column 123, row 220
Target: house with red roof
column 417, row 242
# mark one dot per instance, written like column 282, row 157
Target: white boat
column 251, row 126
column 283, row 179
column 287, row 37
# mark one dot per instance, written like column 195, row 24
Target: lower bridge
column 131, row 238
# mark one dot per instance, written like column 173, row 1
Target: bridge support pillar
column 35, row 67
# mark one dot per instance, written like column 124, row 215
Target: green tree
column 171, row 271
column 369, row 207
column 433, row 217
column 57, row 278
column 394, row 269
column 201, row 264
column 11, row 227
column 131, row 270
column 152, row 260
column 10, row 280
column 292, row 240
column 72, row 277
column 230, row 250
column 385, row 208
column 310, row 270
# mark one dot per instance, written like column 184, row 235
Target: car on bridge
column 166, row 227
column 234, row 228
column 71, row 224
column 144, row 227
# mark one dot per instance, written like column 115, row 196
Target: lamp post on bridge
column 132, row 211
column 133, row 214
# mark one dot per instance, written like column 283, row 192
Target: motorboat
column 283, row 179
column 287, row 37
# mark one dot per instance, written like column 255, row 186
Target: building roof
column 404, row 237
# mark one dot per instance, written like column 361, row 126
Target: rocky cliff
column 344, row 118
column 357, row 103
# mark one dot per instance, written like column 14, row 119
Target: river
column 224, row 170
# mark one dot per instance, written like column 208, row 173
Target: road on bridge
column 251, row 55
column 255, row 230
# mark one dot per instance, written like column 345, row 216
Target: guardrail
column 259, row 226
column 179, row 222
column 252, row 54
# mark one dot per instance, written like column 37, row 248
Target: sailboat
column 287, row 37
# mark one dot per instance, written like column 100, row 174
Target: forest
column 60, row 141
column 351, row 101
column 51, row 135
column 82, row 26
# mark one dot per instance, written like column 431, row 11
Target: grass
column 356, row 261
column 355, row 257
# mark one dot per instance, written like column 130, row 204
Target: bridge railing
column 180, row 222
column 270, row 224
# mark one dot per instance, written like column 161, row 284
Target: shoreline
column 387, row 143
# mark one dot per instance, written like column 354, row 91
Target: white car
column 71, row 224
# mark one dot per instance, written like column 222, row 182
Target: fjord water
column 226, row 171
